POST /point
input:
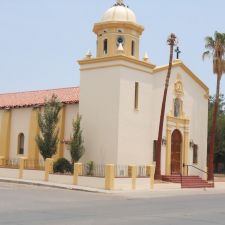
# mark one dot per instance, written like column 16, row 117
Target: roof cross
column 119, row 2
column 177, row 50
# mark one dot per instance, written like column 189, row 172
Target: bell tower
column 118, row 32
column 111, row 86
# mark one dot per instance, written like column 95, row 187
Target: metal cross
column 177, row 50
column 120, row 2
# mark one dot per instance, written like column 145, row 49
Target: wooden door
column 176, row 143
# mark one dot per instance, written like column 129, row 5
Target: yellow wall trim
column 179, row 63
column 114, row 58
column 118, row 24
column 5, row 134
column 61, row 127
column 33, row 151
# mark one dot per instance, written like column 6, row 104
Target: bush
column 62, row 165
column 90, row 168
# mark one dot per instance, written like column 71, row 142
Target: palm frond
column 205, row 55
column 209, row 43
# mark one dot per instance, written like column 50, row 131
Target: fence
column 121, row 171
column 88, row 169
column 29, row 164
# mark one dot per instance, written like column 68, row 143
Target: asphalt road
column 30, row 205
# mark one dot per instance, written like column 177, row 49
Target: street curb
column 55, row 185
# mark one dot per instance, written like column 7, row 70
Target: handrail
column 186, row 165
column 181, row 179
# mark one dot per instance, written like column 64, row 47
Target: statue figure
column 177, row 107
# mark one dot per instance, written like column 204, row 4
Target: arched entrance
column 176, row 144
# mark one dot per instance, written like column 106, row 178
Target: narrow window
column 136, row 95
column 177, row 107
column 195, row 154
column 105, row 46
column 21, row 144
column 132, row 48
column 154, row 150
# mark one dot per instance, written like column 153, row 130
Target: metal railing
column 195, row 167
column 120, row 171
column 29, row 164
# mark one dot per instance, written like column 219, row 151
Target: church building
column 119, row 99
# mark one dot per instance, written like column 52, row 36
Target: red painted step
column 188, row 181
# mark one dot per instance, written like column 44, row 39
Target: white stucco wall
column 99, row 105
column 20, row 122
column 70, row 114
column 135, row 126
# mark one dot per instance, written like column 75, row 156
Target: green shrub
column 62, row 165
column 90, row 168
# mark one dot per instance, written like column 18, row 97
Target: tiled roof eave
column 34, row 105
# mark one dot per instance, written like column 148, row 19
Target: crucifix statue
column 177, row 50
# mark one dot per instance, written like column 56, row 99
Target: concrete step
column 188, row 181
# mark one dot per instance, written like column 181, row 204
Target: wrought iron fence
column 11, row 163
column 29, row 164
column 120, row 171
column 88, row 169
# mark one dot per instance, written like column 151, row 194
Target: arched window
column 132, row 48
column 21, row 144
column 105, row 47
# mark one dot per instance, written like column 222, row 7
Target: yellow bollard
column 2, row 161
column 152, row 176
column 148, row 169
column 48, row 168
column 77, row 171
column 21, row 166
column 132, row 172
column 109, row 177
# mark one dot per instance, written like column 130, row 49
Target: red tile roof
column 37, row 98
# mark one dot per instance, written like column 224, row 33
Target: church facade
column 119, row 100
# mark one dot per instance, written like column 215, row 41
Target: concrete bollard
column 77, row 171
column 132, row 173
column 109, row 177
column 22, row 161
column 48, row 168
column 2, row 160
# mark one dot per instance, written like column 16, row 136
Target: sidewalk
column 95, row 184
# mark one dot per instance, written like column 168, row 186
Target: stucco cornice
column 117, row 24
column 116, row 58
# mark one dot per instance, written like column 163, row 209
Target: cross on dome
column 120, row 2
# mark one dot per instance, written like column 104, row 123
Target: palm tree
column 215, row 48
column 171, row 42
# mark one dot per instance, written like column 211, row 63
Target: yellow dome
column 119, row 12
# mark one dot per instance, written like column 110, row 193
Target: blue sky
column 41, row 40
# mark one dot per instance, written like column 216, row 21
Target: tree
column 171, row 42
column 215, row 48
column 47, row 140
column 76, row 141
column 219, row 152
